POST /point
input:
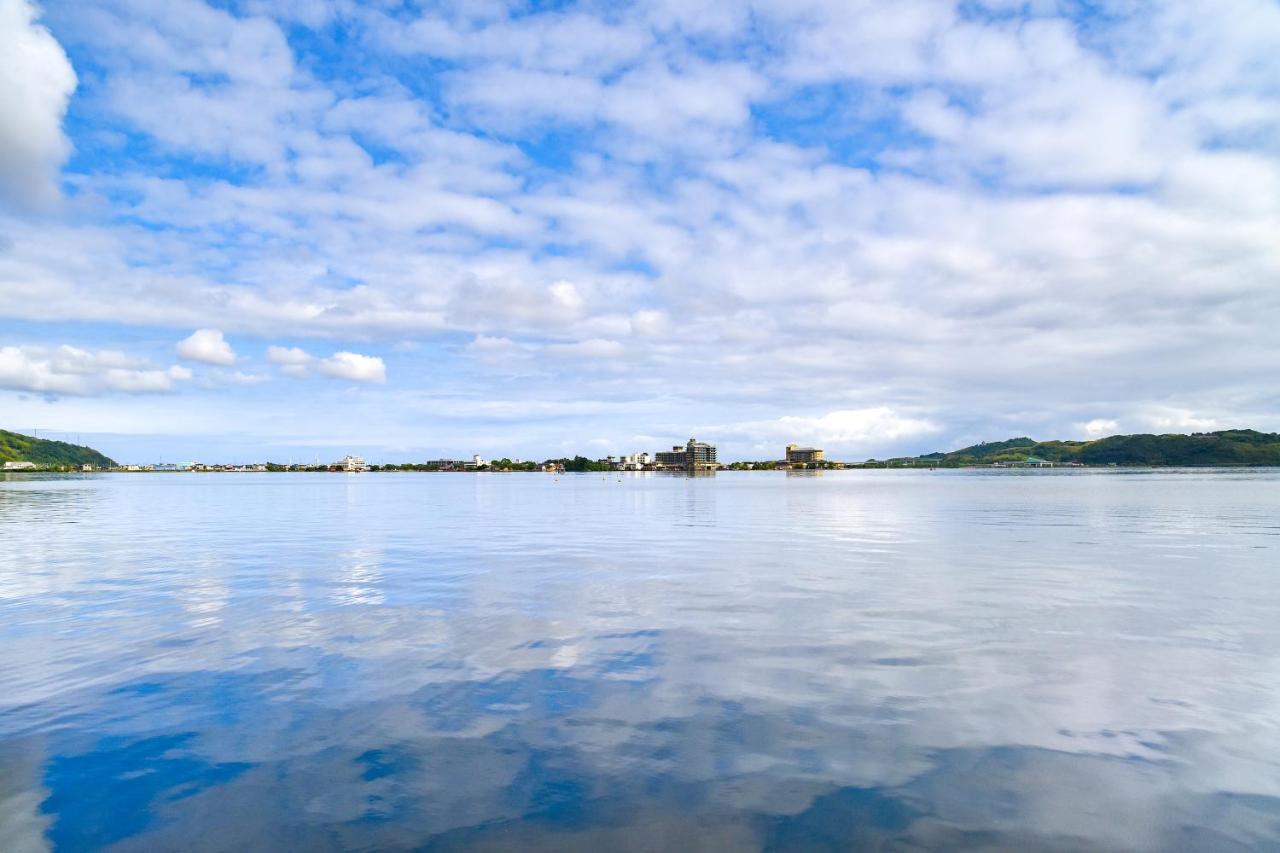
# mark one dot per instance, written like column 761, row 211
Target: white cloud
column 297, row 363
column 491, row 344
column 208, row 346
column 353, row 366
column 71, row 370
column 145, row 381
column 288, row 355
column 1173, row 419
column 36, row 82
column 859, row 430
column 650, row 323
column 566, row 296
column 1100, row 427
column 235, row 377
column 856, row 425
column 595, row 348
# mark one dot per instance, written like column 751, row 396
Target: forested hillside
column 1227, row 447
column 16, row 447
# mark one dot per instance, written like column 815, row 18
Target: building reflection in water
column 868, row 660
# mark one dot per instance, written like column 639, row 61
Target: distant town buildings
column 352, row 464
column 694, row 456
column 797, row 455
column 632, row 462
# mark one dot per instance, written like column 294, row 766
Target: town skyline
column 328, row 227
column 1242, row 447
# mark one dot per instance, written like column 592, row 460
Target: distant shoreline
column 675, row 472
column 1241, row 448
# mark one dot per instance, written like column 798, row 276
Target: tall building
column 694, row 456
column 797, row 455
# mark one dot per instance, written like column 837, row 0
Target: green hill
column 1227, row 447
column 16, row 447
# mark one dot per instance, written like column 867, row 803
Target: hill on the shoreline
column 16, row 447
column 1226, row 447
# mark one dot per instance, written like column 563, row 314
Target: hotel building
column 797, row 455
column 694, row 456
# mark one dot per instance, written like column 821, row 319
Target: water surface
column 861, row 660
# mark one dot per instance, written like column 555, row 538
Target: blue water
column 862, row 660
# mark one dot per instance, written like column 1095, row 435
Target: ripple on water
column 993, row 660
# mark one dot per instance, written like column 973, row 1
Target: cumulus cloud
column 854, row 429
column 297, row 362
column 1100, row 427
column 353, row 366
column 36, row 82
column 74, row 371
column 288, row 355
column 206, row 345
column 876, row 424
column 1173, row 419
column 508, row 303
column 500, row 350
column 492, row 344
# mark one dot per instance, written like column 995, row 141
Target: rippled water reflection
column 862, row 660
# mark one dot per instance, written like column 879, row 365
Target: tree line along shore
column 1242, row 447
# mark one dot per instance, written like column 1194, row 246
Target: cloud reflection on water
column 748, row 662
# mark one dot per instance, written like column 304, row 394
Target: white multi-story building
column 633, row 462
column 352, row 464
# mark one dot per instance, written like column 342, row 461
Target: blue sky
column 297, row 229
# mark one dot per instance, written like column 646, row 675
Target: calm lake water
column 861, row 660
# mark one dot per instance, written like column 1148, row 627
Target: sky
column 295, row 229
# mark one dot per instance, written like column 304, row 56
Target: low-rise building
column 350, row 464
column 633, row 462
column 19, row 465
column 797, row 455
